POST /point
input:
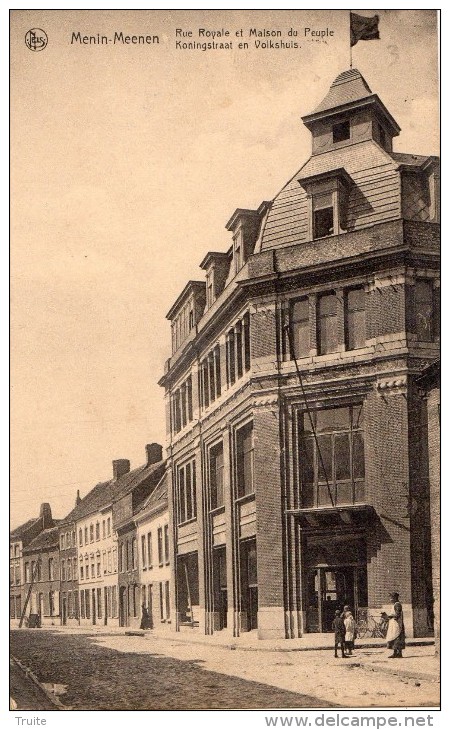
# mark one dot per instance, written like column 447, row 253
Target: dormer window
column 328, row 202
column 323, row 215
column 341, row 131
column 238, row 252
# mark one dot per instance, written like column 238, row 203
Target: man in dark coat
column 338, row 627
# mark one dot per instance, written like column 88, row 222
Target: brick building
column 430, row 384
column 135, row 486
column 19, row 539
column 42, row 577
column 297, row 472
column 69, row 595
column 152, row 522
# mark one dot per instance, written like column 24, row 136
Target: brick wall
column 268, row 506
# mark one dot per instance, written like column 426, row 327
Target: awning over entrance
column 355, row 515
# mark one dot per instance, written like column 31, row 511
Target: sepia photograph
column 225, row 362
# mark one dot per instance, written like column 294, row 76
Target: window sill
column 217, row 510
column 246, row 498
column 187, row 522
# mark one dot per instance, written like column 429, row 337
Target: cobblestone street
column 105, row 671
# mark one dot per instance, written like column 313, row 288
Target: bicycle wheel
column 361, row 629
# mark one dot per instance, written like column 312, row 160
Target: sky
column 126, row 163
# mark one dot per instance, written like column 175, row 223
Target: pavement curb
column 242, row 647
column 50, row 696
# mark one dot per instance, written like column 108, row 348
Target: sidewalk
column 418, row 663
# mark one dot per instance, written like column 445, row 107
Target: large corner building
column 297, row 467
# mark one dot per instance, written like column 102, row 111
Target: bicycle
column 370, row 627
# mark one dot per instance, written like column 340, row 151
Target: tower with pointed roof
column 297, row 460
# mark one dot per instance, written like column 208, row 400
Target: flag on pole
column 363, row 29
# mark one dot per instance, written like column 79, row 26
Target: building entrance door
column 122, row 606
column 330, row 589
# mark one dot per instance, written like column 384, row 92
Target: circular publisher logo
column 36, row 39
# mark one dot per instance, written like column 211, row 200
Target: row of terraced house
column 297, row 472
column 104, row 561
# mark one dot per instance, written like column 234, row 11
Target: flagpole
column 350, row 34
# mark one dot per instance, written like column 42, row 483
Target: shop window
column 334, row 463
column 355, row 319
column 327, row 324
column 244, row 460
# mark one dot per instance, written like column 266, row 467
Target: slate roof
column 348, row 87
column 20, row 531
column 157, row 501
column 104, row 493
column 45, row 540
column 409, row 160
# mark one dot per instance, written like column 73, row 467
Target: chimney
column 154, row 453
column 78, row 499
column 120, row 467
column 46, row 515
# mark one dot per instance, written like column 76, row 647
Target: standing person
column 338, row 627
column 350, row 630
column 395, row 636
column 145, row 621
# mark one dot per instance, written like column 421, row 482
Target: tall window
column 424, row 310
column 216, row 475
column 144, row 551
column 86, row 536
column 27, row 572
column 51, row 603
column 323, row 216
column 63, row 570
column 91, row 532
column 337, row 459
column 327, row 323
column 103, row 529
column 181, row 406
column 299, row 321
column 167, row 591
column 244, row 460
column 97, row 531
column 238, row 349
column 187, row 498
column 134, row 553
column 166, row 545
column 69, row 569
column 51, row 569
column 210, row 378
column 355, row 318
column 63, row 542
column 149, row 550
column 160, row 546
